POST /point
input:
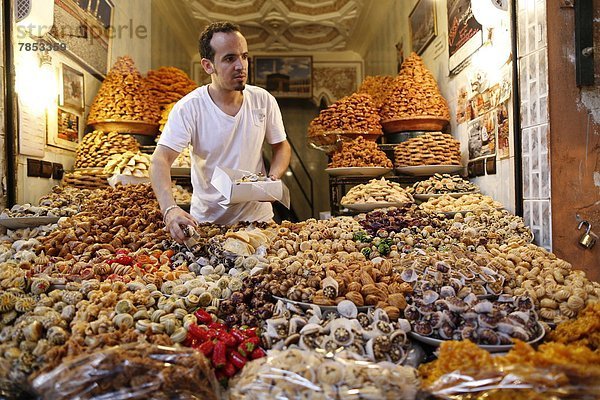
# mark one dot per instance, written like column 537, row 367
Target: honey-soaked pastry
column 415, row 93
column 378, row 87
column 169, row 84
column 356, row 113
column 124, row 96
column 584, row 330
column 360, row 153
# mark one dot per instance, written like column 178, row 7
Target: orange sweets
column 124, row 96
column 415, row 93
column 356, row 113
column 168, row 85
column 360, row 153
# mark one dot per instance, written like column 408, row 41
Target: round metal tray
column 418, row 123
column 122, row 126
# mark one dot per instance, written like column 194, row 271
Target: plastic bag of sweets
column 131, row 372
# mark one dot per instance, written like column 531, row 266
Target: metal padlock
column 588, row 239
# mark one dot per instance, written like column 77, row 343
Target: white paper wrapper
column 224, row 180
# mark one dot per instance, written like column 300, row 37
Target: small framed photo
column 72, row 86
column 284, row 76
column 423, row 25
column 66, row 133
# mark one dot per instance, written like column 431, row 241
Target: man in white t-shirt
column 226, row 122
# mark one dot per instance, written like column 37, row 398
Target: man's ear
column 207, row 65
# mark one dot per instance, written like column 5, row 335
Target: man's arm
column 160, row 175
column 282, row 153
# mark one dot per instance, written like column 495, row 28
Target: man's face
column 230, row 66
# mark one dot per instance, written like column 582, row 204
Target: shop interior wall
column 382, row 59
column 166, row 46
column 574, row 141
column 132, row 13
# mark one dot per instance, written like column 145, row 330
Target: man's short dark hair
column 206, row 50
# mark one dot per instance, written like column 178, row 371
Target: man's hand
column 176, row 217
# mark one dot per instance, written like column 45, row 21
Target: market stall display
column 164, row 116
column 137, row 371
column 431, row 148
column 124, row 101
column 378, row 87
column 377, row 192
column 109, row 275
column 440, row 184
column 414, row 102
column 359, row 153
column 128, row 163
column 296, row 373
column 555, row 370
column 96, row 148
column 350, row 117
column 463, row 204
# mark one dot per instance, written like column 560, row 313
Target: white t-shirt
column 218, row 139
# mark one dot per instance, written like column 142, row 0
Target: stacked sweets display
column 413, row 116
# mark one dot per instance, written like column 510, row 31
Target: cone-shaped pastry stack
column 415, row 93
column 124, row 96
column 355, row 113
column 378, row 87
column 168, row 85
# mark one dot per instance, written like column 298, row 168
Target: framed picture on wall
column 72, row 89
column 423, row 26
column 465, row 34
column 66, row 132
column 284, row 76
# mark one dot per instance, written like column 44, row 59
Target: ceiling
column 280, row 25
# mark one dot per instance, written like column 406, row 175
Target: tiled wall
column 532, row 55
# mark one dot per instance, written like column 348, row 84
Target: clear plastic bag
column 516, row 382
column 300, row 374
column 133, row 371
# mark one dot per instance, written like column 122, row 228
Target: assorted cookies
column 377, row 191
column 415, row 93
column 124, row 96
column 129, row 163
column 468, row 202
column 442, row 184
column 431, row 148
column 360, row 153
column 96, row 147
